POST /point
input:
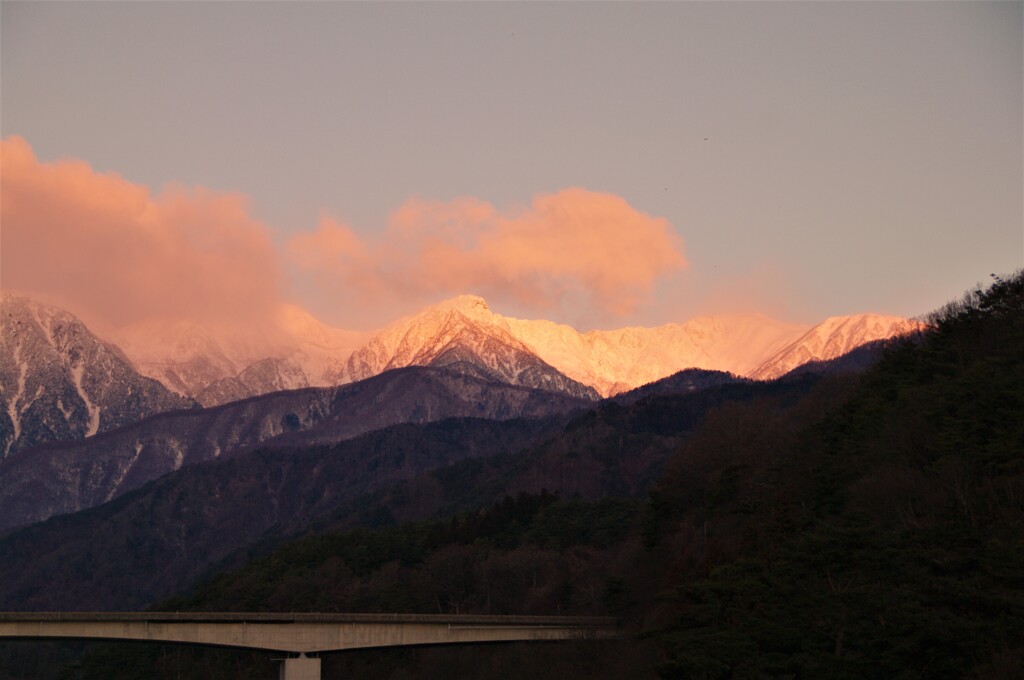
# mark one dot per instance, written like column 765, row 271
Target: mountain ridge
column 620, row 360
column 832, row 338
column 216, row 365
column 59, row 381
column 460, row 331
column 61, row 477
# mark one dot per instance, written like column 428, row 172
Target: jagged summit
column 462, row 333
column 467, row 304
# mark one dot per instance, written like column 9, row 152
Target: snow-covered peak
column 610, row 361
column 302, row 328
column 464, row 334
column 467, row 304
column 472, row 307
column 188, row 357
column 837, row 335
column 613, row 361
column 832, row 338
column 410, row 339
column 860, row 324
column 313, row 348
column 168, row 340
column 432, row 326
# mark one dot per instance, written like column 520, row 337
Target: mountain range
column 59, row 381
column 215, row 365
column 82, row 426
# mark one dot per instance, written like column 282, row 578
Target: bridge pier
column 301, row 667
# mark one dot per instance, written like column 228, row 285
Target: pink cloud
column 110, row 251
column 331, row 245
column 115, row 253
column 574, row 243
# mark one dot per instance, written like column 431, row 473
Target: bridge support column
column 300, row 668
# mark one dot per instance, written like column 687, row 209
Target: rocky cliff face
column 59, row 382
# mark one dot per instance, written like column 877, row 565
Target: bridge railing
column 311, row 617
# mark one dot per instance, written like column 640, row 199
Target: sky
column 598, row 164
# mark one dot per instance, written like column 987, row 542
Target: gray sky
column 815, row 158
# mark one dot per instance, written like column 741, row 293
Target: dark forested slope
column 153, row 541
column 886, row 539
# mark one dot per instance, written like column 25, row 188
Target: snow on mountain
column 220, row 364
column 831, row 338
column 315, row 347
column 216, row 364
column 183, row 355
column 619, row 360
column 261, row 377
column 460, row 333
column 464, row 330
column 58, row 381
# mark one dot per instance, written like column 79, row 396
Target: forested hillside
column 885, row 539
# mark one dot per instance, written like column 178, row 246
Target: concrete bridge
column 299, row 635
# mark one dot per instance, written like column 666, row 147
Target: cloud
column 115, row 253
column 108, row 250
column 588, row 247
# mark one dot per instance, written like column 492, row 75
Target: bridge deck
column 300, row 632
